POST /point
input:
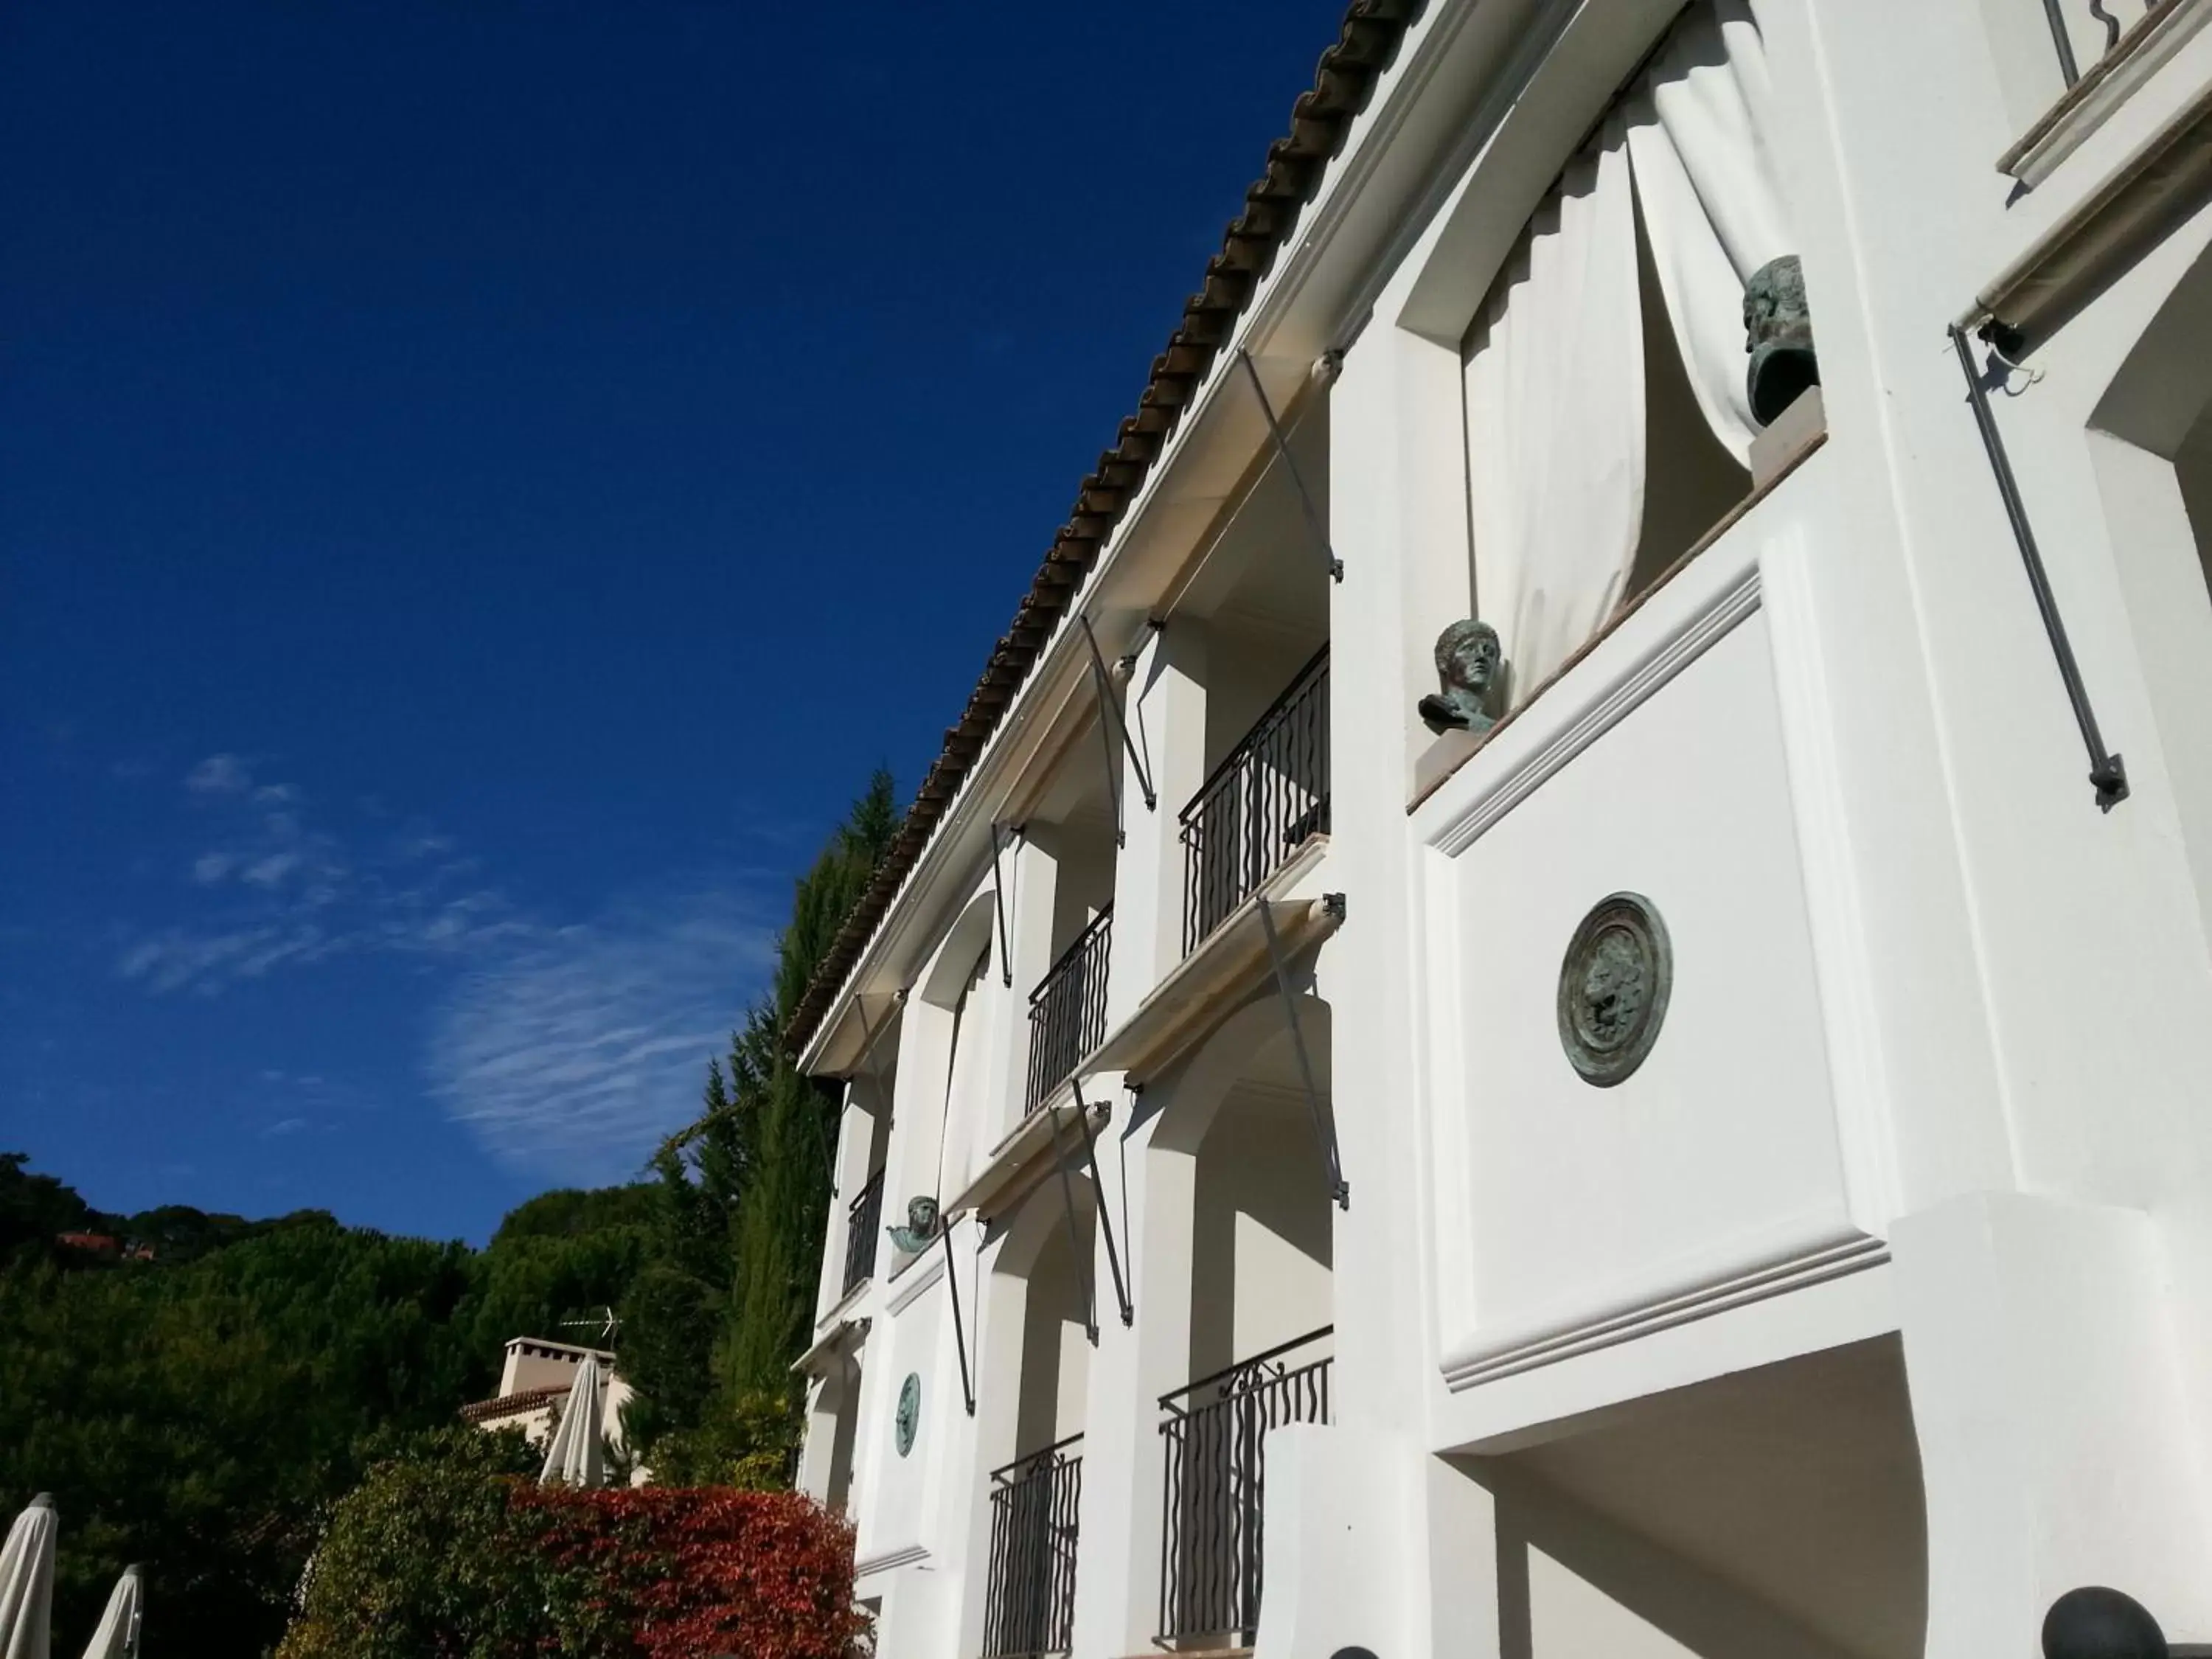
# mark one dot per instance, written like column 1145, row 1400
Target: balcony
column 1216, row 1431
column 1264, row 801
column 1029, row 1607
column 1067, row 1010
column 862, row 1221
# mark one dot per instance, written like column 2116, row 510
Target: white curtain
column 1555, row 368
column 1701, row 134
column 1555, row 421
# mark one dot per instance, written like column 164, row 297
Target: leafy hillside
column 200, row 1412
column 202, row 1402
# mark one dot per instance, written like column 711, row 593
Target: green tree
column 748, row 1185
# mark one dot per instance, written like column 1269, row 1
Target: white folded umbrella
column 27, row 1581
column 576, row 1455
column 118, row 1635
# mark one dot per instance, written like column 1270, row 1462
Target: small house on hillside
column 533, row 1387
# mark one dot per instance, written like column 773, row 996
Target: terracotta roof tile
column 513, row 1405
column 1319, row 120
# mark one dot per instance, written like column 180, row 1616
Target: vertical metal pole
column 2054, row 12
column 1110, row 711
column 1297, row 481
column 959, row 1332
column 1074, row 1239
column 1106, row 735
column 999, row 903
column 1339, row 1189
column 1105, row 1220
column 2108, row 774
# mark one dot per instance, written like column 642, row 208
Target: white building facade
column 1718, row 1162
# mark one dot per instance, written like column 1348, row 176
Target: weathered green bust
column 1778, row 327
column 1469, row 662
column 921, row 1229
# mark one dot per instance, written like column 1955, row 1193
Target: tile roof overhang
column 1321, row 120
column 513, row 1405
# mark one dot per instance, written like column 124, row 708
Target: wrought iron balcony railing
column 1028, row 1600
column 863, row 1220
column 1259, row 806
column 1216, row 1431
column 2082, row 32
column 1067, row 1010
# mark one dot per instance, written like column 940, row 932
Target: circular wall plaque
column 910, row 1412
column 1613, row 988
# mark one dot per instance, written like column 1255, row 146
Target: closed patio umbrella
column 576, row 1456
column 27, row 1581
column 118, row 1635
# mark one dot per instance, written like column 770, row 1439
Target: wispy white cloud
column 277, row 889
column 572, row 1057
column 219, row 775
column 566, row 1051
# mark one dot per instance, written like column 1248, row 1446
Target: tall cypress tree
column 779, row 1224
column 765, row 1145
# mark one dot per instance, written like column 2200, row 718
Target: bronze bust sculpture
column 921, row 1229
column 1468, row 662
column 1777, row 327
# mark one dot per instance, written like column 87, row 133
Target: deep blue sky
column 481, row 484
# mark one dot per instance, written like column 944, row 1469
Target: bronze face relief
column 1614, row 987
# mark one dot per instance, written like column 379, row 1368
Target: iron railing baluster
column 1214, row 1499
column 861, row 1222
column 1260, row 804
column 1030, row 1586
column 1067, row 1010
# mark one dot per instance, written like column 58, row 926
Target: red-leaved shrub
column 698, row 1574
column 456, row 1559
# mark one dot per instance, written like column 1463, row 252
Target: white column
column 1033, row 873
column 1118, row 1576
column 1166, row 709
column 1397, row 514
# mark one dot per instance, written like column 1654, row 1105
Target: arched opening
column 1241, row 1129
column 1039, row 1356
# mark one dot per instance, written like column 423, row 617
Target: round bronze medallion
column 1613, row 988
column 910, row 1412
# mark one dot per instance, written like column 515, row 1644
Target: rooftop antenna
column 604, row 1322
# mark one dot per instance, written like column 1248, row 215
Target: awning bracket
column 1298, row 479
column 959, row 1330
column 1105, row 1218
column 2108, row 773
column 1074, row 1237
column 999, row 904
column 1338, row 1189
column 1110, row 723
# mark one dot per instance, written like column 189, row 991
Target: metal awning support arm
column 959, row 1330
column 1338, row 1189
column 1074, row 1237
column 1298, row 479
column 1112, row 724
column 999, row 904
column 1098, row 1187
column 2108, row 774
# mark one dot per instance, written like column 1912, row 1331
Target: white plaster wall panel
column 895, row 1518
column 1578, row 1205
column 1262, row 1228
